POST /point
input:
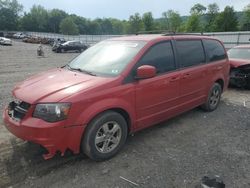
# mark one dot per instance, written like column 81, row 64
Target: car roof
column 152, row 37
column 242, row 46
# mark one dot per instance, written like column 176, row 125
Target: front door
column 157, row 97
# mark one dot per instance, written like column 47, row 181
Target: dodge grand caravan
column 117, row 87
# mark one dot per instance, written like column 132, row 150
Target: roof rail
column 171, row 34
column 154, row 32
column 168, row 33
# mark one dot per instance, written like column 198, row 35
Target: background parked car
column 57, row 41
column 5, row 41
column 19, row 35
column 69, row 46
column 240, row 66
column 9, row 35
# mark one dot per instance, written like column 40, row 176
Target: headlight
column 52, row 112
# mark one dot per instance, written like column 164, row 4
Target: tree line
column 201, row 19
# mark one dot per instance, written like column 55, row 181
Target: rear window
column 190, row 52
column 215, row 50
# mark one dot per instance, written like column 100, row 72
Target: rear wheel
column 213, row 99
column 104, row 136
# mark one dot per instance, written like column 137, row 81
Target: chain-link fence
column 230, row 39
column 88, row 39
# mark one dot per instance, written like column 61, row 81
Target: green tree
column 36, row 19
column 94, row 27
column 68, row 27
column 198, row 9
column 9, row 14
column 13, row 5
column 173, row 20
column 193, row 23
column 6, row 19
column 106, row 26
column 212, row 13
column 246, row 19
column 118, row 26
column 81, row 23
column 27, row 23
column 135, row 23
column 165, row 21
column 148, row 21
column 227, row 20
column 55, row 16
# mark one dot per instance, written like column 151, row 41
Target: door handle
column 187, row 75
column 218, row 68
column 174, row 79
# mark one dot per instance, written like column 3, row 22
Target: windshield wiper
column 87, row 72
column 80, row 70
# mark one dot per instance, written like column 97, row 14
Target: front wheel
column 104, row 136
column 213, row 99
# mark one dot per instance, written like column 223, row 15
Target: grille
column 18, row 109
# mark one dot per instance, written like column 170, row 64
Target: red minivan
column 117, row 87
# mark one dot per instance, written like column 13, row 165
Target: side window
column 215, row 50
column 160, row 56
column 190, row 52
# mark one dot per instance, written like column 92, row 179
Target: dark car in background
column 69, row 46
column 239, row 57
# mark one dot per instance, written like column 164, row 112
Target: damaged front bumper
column 54, row 137
column 240, row 76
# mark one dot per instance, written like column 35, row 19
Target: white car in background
column 5, row 41
column 19, row 35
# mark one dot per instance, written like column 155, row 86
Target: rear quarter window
column 215, row 50
column 190, row 52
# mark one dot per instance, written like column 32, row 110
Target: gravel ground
column 176, row 153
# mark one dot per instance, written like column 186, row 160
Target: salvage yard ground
column 176, row 153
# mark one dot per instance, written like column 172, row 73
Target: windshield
column 239, row 53
column 107, row 58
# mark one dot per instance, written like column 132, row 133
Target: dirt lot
column 177, row 153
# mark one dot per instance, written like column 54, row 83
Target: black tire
column 89, row 145
column 213, row 98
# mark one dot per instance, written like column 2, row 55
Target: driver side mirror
column 145, row 71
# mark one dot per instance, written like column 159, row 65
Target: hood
column 234, row 63
column 55, row 85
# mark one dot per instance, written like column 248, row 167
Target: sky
column 122, row 9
